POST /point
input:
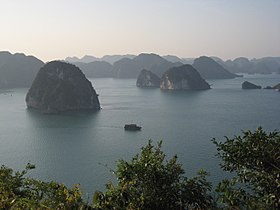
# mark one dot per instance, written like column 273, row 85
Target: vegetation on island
column 149, row 181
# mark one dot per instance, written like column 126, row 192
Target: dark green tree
column 149, row 181
column 20, row 192
column 254, row 160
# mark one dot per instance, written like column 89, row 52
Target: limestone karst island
column 61, row 87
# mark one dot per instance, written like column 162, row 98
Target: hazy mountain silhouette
column 219, row 61
column 173, row 59
column 188, row 60
column 125, row 68
column 88, row 58
column 240, row 64
column 85, row 59
column 210, row 69
column 96, row 69
column 18, row 70
column 266, row 65
column 113, row 58
column 130, row 68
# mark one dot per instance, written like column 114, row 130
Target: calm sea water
column 81, row 148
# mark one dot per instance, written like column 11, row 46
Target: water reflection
column 68, row 120
column 65, row 146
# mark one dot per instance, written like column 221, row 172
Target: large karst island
column 61, row 87
column 183, row 78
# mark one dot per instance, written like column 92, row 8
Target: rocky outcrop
column 183, row 78
column 147, row 79
column 249, row 85
column 61, row 87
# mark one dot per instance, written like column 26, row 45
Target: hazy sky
column 54, row 29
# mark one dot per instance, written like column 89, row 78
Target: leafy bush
column 255, row 160
column 149, row 181
column 20, row 192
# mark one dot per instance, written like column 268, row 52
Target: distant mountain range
column 127, row 67
column 131, row 67
column 18, row 70
column 89, row 59
column 113, row 58
column 266, row 65
column 96, row 69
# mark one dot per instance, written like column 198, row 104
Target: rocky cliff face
column 147, row 79
column 249, row 85
column 61, row 87
column 183, row 78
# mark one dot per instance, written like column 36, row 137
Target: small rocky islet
column 249, row 85
column 61, row 87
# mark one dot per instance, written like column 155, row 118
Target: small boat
column 132, row 127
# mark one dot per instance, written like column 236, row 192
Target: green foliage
column 148, row 181
column 19, row 192
column 255, row 160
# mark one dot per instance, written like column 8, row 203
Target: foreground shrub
column 20, row 192
column 149, row 181
column 254, row 159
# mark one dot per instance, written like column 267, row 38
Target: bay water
column 83, row 148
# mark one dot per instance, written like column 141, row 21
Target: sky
column 55, row 29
